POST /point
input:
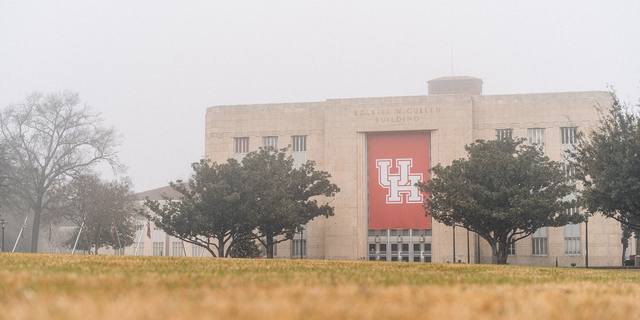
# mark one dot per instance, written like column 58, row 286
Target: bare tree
column 105, row 209
column 49, row 140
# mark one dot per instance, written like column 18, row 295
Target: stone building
column 375, row 147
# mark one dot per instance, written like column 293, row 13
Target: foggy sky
column 153, row 67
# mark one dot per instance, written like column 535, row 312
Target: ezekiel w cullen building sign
column 377, row 148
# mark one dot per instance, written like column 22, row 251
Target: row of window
column 539, row 239
column 400, row 232
column 177, row 249
column 536, row 135
column 540, row 242
column 298, row 143
column 416, row 252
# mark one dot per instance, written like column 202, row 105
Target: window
column 539, row 245
column 157, row 248
column 299, row 150
column 197, row 251
column 568, row 135
column 270, row 142
column 568, row 139
column 177, row 249
column 299, row 143
column 572, row 239
column 536, row 138
column 503, row 134
column 421, row 232
column 569, row 170
column 511, row 249
column 572, row 234
column 298, row 247
column 242, row 148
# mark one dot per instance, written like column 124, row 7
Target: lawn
column 45, row 286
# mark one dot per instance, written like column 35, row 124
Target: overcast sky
column 153, row 67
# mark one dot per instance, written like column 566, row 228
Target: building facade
column 375, row 148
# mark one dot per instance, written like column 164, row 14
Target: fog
column 153, row 67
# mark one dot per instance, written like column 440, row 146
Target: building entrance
column 409, row 245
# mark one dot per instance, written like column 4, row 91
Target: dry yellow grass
column 39, row 286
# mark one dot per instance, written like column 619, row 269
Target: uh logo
column 401, row 183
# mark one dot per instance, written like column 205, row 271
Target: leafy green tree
column 210, row 213
column 608, row 164
column 50, row 139
column 244, row 248
column 281, row 197
column 504, row 191
column 105, row 210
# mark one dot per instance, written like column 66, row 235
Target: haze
column 153, row 67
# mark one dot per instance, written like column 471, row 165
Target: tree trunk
column 37, row 212
column 498, row 253
column 269, row 246
column 221, row 244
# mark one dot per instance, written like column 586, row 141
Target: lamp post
column 301, row 242
column 454, row 243
column 3, row 221
column 586, row 240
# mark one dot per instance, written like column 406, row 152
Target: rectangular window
column 568, row 140
column 177, row 249
column 270, row 142
column 539, row 244
column 298, row 246
column 536, row 138
column 569, row 170
column 197, row 251
column 299, row 150
column 241, row 148
column 158, row 248
column 511, row 249
column 568, row 135
column 503, row 134
column 572, row 239
column 299, row 143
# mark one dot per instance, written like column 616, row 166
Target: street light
column 301, row 241
column 586, row 240
column 3, row 221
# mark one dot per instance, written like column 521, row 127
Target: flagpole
column 118, row 236
column 139, row 239
column 77, row 238
column 20, row 234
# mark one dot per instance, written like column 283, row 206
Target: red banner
column 396, row 162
